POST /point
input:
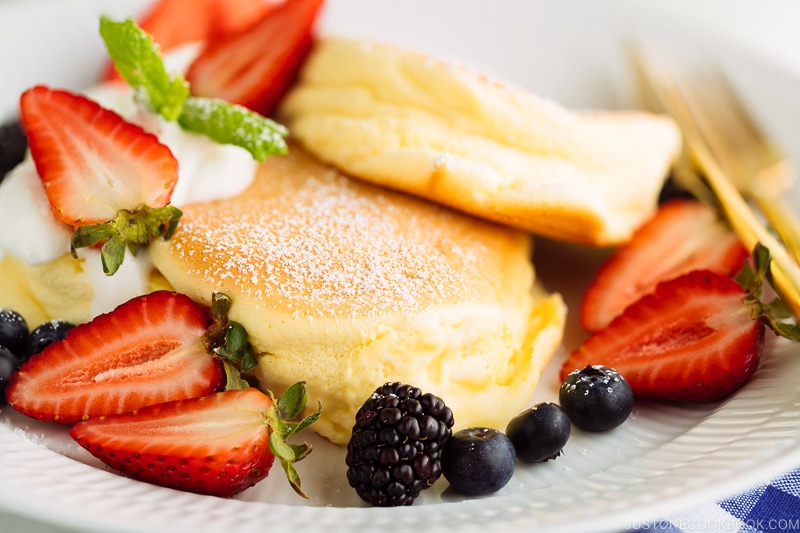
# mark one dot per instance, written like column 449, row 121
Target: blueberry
column 596, row 398
column 13, row 331
column 13, row 145
column 46, row 333
column 478, row 461
column 539, row 433
column 9, row 363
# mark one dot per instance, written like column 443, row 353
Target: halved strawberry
column 682, row 236
column 255, row 68
column 175, row 22
column 92, row 162
column 106, row 177
column 230, row 17
column 694, row 338
column 146, row 351
column 219, row 445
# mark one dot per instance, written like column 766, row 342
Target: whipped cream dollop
column 206, row 171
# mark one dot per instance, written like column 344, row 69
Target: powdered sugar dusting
column 322, row 245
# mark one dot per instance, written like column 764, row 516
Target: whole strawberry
column 217, row 445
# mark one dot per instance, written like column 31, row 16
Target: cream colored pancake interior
column 407, row 121
column 347, row 286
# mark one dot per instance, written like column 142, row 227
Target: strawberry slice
column 218, row 445
column 146, row 351
column 175, row 22
column 106, row 177
column 694, row 338
column 230, row 17
column 256, row 67
column 172, row 23
column 682, row 236
column 92, row 162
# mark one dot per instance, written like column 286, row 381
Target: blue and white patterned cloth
column 771, row 507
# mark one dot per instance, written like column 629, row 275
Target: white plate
column 663, row 459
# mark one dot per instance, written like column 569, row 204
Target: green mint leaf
column 228, row 123
column 138, row 59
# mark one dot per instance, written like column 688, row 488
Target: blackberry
column 394, row 451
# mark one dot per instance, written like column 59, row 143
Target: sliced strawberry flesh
column 230, row 17
column 684, row 235
column 255, row 68
column 148, row 350
column 92, row 162
column 175, row 22
column 210, row 445
column 691, row 339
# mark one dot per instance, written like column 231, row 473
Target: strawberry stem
column 288, row 408
column 129, row 229
column 227, row 340
column 776, row 314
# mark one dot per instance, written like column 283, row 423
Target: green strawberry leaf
column 307, row 421
column 233, row 378
column 235, row 339
column 249, row 360
column 129, row 229
column 293, row 401
column 775, row 314
column 227, row 339
column 293, row 476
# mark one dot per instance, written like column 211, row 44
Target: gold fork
column 735, row 158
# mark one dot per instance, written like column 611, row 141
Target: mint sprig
column 138, row 60
column 228, row 123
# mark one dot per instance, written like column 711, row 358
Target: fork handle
column 783, row 220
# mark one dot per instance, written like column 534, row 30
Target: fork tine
column 732, row 133
column 680, row 101
column 744, row 151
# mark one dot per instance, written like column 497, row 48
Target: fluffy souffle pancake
column 347, row 286
column 407, row 121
